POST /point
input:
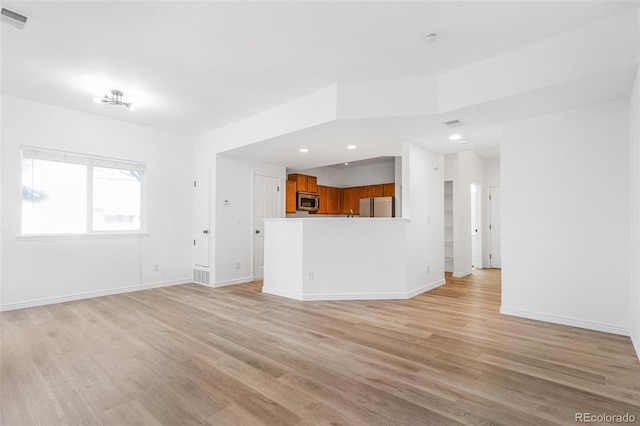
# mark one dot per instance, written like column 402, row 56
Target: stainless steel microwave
column 308, row 201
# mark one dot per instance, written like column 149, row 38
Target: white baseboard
column 89, row 294
column 282, row 293
column 353, row 296
column 233, row 282
column 565, row 321
column 427, row 287
column 166, row 284
column 461, row 274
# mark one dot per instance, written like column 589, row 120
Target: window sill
column 97, row 236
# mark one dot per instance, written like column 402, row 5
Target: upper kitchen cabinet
column 363, row 192
column 300, row 180
column 291, row 196
column 376, row 191
column 329, row 199
column 312, row 184
column 388, row 190
column 305, row 183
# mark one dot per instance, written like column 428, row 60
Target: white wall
column 565, row 211
column 634, row 116
column 234, row 230
column 348, row 176
column 45, row 270
column 491, row 178
column 423, row 203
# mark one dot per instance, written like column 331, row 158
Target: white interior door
column 202, row 217
column 495, row 253
column 265, row 205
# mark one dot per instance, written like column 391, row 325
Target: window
column 69, row 193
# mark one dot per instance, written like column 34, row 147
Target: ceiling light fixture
column 351, row 147
column 431, row 38
column 114, row 99
column 303, row 150
column 346, row 164
column 463, row 142
column 454, row 137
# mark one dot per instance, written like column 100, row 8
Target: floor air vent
column 200, row 276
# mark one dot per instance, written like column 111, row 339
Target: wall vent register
column 13, row 18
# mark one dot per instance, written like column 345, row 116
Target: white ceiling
column 194, row 66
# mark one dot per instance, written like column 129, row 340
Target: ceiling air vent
column 13, row 18
column 454, row 123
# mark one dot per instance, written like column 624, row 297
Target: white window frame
column 90, row 161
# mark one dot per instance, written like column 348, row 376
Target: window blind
column 85, row 159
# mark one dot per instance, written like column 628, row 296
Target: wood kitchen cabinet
column 363, row 192
column 389, row 190
column 312, row 184
column 329, row 200
column 323, row 193
column 304, row 183
column 376, row 190
column 350, row 200
column 300, row 180
column 292, row 200
column 333, row 200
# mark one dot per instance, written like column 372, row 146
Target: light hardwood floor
column 195, row 355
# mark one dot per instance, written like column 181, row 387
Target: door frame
column 253, row 214
column 479, row 234
column 490, row 226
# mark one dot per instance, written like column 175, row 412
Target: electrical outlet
column 237, row 264
column 156, row 267
column 310, row 276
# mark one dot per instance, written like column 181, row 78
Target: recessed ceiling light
column 304, row 150
column 346, row 164
column 351, row 147
column 431, row 38
column 454, row 137
column 463, row 142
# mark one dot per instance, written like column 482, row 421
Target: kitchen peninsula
column 337, row 258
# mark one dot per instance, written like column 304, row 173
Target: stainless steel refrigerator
column 377, row 207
